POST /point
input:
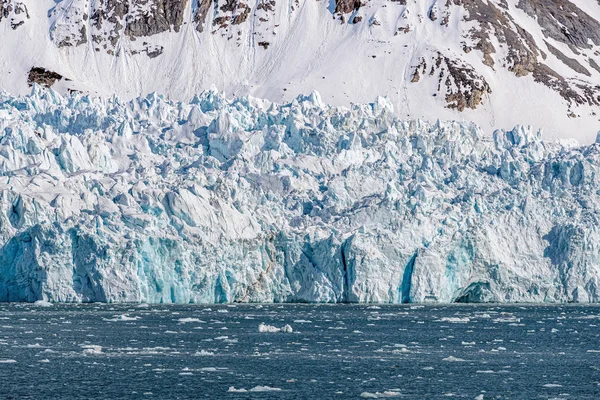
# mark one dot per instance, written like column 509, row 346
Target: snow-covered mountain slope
column 495, row 62
column 245, row 200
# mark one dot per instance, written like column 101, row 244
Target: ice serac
column 223, row 200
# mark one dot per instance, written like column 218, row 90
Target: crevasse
column 222, row 200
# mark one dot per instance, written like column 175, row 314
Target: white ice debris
column 92, row 349
column 455, row 320
column 273, row 329
column 222, row 200
column 232, row 389
column 203, row 353
column 380, row 395
column 188, row 320
column 452, row 359
column 43, row 303
column 265, row 389
column 122, row 317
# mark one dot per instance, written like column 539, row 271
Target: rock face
column 14, row 11
column 460, row 83
column 107, row 21
column 42, row 77
column 219, row 200
column 550, row 50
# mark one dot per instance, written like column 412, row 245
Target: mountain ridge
column 499, row 62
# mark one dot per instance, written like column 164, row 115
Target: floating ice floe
column 232, row 389
column 92, row 349
column 204, row 353
column 122, row 317
column 380, row 395
column 453, row 359
column 273, row 329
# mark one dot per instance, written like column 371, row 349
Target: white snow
column 308, row 50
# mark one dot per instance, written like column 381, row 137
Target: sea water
column 236, row 351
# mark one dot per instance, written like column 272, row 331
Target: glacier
column 245, row 200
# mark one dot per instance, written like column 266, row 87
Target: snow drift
column 222, row 200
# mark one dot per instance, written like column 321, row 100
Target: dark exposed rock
column 564, row 21
column 241, row 14
column 221, row 21
column 357, row 19
column 416, row 76
column 461, row 85
column 267, row 5
column 201, row 13
column 164, row 16
column 150, row 50
column 231, row 12
column 547, row 76
column 432, row 14
column 43, row 77
column 465, row 86
column 522, row 51
column 109, row 13
column 347, row 6
column 593, row 64
column 15, row 11
column 571, row 62
column 135, row 18
column 264, row 45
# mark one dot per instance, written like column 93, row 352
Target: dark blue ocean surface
column 334, row 352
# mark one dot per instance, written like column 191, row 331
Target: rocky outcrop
column 203, row 7
column 15, row 11
column 105, row 22
column 150, row 17
column 43, row 77
column 564, row 22
column 459, row 83
column 570, row 62
column 347, row 6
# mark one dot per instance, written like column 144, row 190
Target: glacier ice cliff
column 223, row 200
